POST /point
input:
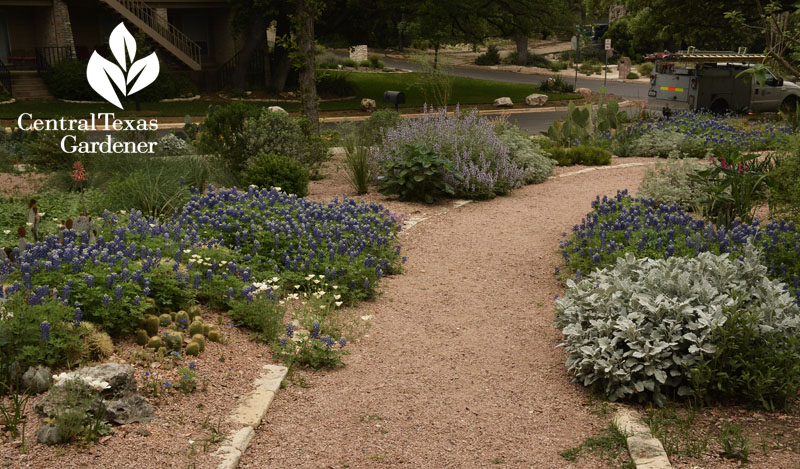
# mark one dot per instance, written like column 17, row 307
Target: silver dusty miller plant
column 635, row 329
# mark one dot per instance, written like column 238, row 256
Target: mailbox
column 394, row 97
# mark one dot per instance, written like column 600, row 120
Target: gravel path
column 460, row 366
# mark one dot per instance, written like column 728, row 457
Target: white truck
column 708, row 80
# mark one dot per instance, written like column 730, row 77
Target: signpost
column 577, row 50
column 605, row 69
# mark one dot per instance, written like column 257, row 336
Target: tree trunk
column 308, row 73
column 281, row 65
column 522, row 50
column 435, row 56
column 254, row 40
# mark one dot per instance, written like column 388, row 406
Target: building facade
column 196, row 34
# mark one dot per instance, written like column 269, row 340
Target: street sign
column 574, row 42
column 608, row 44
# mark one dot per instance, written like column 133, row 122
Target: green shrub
column 375, row 62
column 365, row 64
column 527, row 154
column 671, row 182
column 557, row 66
column 416, row 173
column 21, row 337
column 581, row 154
column 218, row 132
column 556, row 84
column 750, row 363
column 590, row 68
column 262, row 315
column 533, row 60
column 658, row 143
column 335, row 85
column 349, row 63
column 43, row 149
column 645, row 68
column 67, row 80
column 372, row 131
column 168, row 85
column 275, row 170
column 637, row 328
column 276, row 132
column 784, row 190
column 490, row 57
column 171, row 145
column 632, row 76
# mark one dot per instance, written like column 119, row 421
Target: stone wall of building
column 58, row 27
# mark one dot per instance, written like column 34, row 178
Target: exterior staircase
column 28, row 84
column 167, row 35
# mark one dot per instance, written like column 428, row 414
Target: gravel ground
column 460, row 366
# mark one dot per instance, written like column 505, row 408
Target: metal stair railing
column 171, row 34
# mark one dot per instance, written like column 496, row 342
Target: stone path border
column 646, row 451
column 248, row 415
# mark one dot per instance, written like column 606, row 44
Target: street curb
column 248, row 415
column 646, row 452
column 485, row 112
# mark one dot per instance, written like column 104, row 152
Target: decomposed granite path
column 459, row 367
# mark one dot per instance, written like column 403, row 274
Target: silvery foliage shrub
column 466, row 139
column 634, row 329
column 277, row 133
column 171, row 145
column 662, row 142
column 670, row 182
column 535, row 162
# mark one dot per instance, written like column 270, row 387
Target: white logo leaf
column 120, row 41
column 101, row 73
column 149, row 69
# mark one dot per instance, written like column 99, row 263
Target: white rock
column 277, row 109
column 584, row 91
column 368, row 105
column 503, row 102
column 536, row 99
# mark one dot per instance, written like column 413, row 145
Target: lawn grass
column 465, row 91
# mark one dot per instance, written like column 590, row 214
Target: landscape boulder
column 503, row 102
column 277, row 109
column 368, row 105
column 584, row 91
column 37, row 379
column 536, row 99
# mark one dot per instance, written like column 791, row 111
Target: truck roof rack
column 700, row 56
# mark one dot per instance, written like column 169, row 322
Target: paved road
column 626, row 90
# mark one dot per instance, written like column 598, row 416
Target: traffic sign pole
column 605, row 69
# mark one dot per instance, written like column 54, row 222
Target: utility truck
column 708, row 80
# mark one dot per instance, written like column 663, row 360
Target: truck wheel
column 720, row 106
column 789, row 105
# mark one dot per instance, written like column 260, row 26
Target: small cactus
column 155, row 343
column 207, row 328
column 151, row 305
column 201, row 340
column 213, row 335
column 174, row 341
column 193, row 349
column 142, row 337
column 151, row 324
column 165, row 320
column 182, row 315
column 98, row 345
column 196, row 328
column 194, row 312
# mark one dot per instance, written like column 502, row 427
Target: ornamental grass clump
column 638, row 328
column 465, row 139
